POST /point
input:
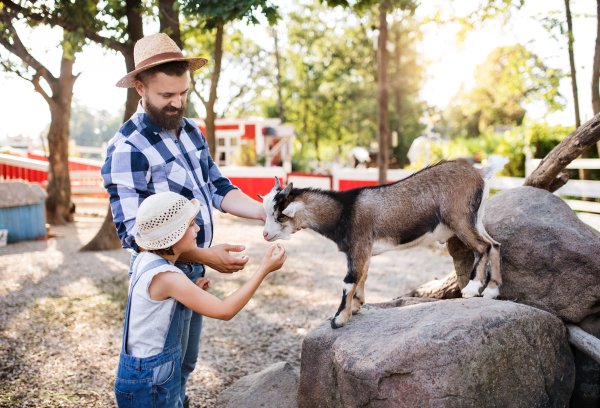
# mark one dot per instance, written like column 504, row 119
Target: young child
column 150, row 362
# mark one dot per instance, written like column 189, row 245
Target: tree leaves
column 217, row 12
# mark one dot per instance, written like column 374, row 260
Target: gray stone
column 452, row 353
column 274, row 387
column 550, row 259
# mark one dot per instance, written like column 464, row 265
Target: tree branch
column 217, row 70
column 36, row 84
column 193, row 86
column 568, row 150
column 18, row 49
column 55, row 20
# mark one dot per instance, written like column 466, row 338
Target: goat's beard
column 162, row 118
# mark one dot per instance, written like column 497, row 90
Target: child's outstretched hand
column 203, row 283
column 274, row 258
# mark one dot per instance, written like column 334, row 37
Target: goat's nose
column 265, row 234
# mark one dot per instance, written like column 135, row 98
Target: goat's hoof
column 491, row 293
column 355, row 312
column 335, row 324
column 471, row 290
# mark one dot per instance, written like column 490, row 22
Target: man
column 159, row 150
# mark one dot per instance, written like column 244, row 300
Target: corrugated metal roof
column 17, row 193
column 39, row 190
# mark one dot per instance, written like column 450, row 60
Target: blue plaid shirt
column 143, row 159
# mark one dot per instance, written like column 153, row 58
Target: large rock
column 453, row 353
column 586, row 393
column 550, row 259
column 274, row 387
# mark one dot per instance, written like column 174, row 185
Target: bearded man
column 159, row 150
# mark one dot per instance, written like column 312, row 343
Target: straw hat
column 154, row 50
column 163, row 218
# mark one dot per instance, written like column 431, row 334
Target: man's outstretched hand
column 219, row 259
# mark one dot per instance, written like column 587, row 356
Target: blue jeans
column 192, row 324
column 151, row 382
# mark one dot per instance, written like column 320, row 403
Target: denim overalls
column 152, row 381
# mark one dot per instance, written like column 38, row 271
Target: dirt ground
column 61, row 311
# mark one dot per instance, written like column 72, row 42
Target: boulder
column 586, row 393
column 274, row 387
column 550, row 259
column 452, row 353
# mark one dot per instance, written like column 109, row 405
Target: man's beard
column 162, row 118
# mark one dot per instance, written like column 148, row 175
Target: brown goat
column 433, row 204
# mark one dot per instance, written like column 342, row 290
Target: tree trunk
column 398, row 95
column 210, row 127
column 168, row 15
column 280, row 101
column 383, row 93
column 572, row 62
column 133, row 97
column 58, row 203
column 545, row 175
column 596, row 71
column 106, row 238
column 584, row 174
column 135, row 31
column 210, row 103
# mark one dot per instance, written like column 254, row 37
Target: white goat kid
column 433, row 204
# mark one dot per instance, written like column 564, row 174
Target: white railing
column 574, row 188
column 253, row 172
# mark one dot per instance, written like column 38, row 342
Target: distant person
column 150, row 362
column 159, row 150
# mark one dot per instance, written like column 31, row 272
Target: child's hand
column 274, row 258
column 203, row 283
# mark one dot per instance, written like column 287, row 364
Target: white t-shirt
column 148, row 319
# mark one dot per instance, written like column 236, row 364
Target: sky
column 23, row 111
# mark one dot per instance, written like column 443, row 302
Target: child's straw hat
column 154, row 50
column 163, row 218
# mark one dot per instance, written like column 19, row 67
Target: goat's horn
column 277, row 184
column 261, row 197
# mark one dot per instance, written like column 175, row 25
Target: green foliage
column 221, row 12
column 361, row 6
column 505, row 82
column 329, row 81
column 241, row 55
column 535, row 139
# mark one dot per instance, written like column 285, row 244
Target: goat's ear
column 291, row 209
column 286, row 191
column 261, row 197
column 277, row 184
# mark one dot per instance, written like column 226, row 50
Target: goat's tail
column 495, row 164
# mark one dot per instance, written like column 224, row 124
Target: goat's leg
column 481, row 249
column 359, row 297
column 356, row 267
column 493, row 288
